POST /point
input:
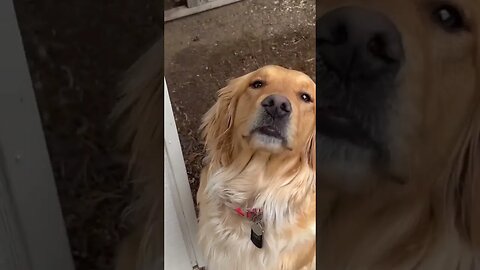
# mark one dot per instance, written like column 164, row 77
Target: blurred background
column 205, row 50
column 77, row 52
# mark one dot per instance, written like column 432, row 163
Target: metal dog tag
column 256, row 234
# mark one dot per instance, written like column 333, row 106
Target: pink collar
column 252, row 214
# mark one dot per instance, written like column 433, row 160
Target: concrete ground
column 203, row 51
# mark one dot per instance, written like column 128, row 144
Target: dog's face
column 397, row 86
column 276, row 109
column 271, row 109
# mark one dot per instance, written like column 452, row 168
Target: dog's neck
column 264, row 180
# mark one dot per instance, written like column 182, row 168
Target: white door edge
column 178, row 186
column 28, row 192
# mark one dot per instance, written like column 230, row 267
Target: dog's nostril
column 268, row 102
column 286, row 107
column 377, row 46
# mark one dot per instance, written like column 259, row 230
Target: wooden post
column 194, row 7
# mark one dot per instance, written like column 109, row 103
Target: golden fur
column 242, row 172
column 430, row 219
column 138, row 114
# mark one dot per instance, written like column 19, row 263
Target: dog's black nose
column 277, row 106
column 359, row 44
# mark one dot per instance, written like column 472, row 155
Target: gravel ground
column 203, row 51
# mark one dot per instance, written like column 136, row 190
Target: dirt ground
column 77, row 52
column 204, row 51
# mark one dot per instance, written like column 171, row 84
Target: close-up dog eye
column 449, row 18
column 306, row 97
column 257, row 84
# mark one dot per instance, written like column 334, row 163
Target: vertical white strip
column 179, row 186
column 13, row 255
column 176, row 251
column 26, row 164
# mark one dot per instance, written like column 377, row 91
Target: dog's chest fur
column 225, row 236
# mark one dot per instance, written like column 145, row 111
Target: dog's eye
column 257, row 84
column 306, row 97
column 449, row 18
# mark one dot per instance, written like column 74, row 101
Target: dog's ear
column 310, row 150
column 464, row 185
column 217, row 124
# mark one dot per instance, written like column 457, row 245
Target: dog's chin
column 343, row 164
column 267, row 139
column 347, row 153
column 267, row 143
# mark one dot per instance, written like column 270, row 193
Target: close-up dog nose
column 358, row 43
column 277, row 106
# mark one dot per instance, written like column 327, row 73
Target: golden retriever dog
column 398, row 130
column 257, row 191
column 138, row 117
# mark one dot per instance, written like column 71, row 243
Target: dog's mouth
column 269, row 131
column 269, row 137
column 338, row 123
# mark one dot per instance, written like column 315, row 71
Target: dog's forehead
column 277, row 74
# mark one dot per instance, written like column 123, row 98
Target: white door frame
column 32, row 231
column 178, row 194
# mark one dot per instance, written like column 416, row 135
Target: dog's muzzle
column 274, row 117
column 359, row 55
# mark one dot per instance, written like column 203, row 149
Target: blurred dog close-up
column 138, row 114
column 257, row 189
column 398, row 126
